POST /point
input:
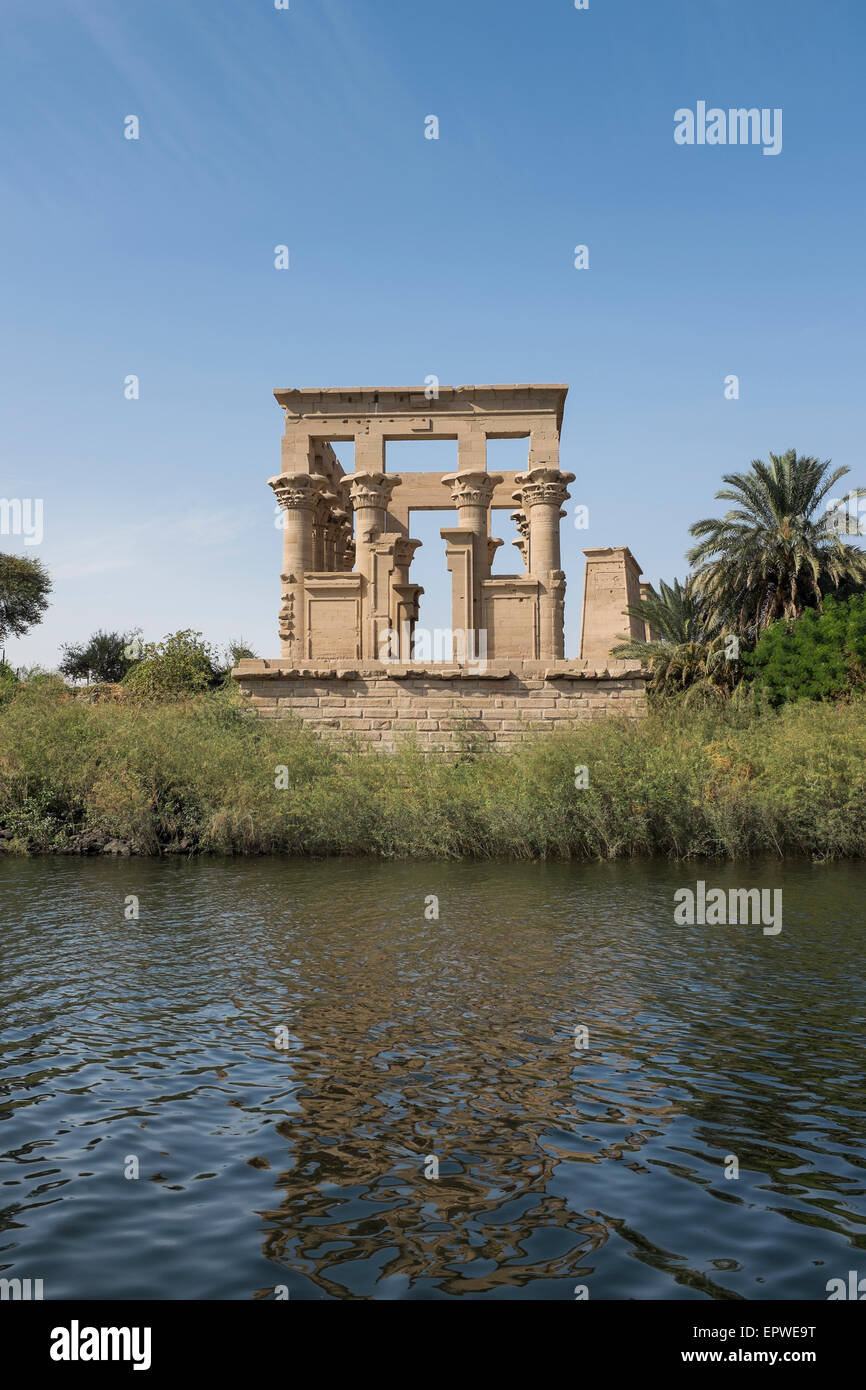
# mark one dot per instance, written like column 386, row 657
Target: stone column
column 460, row 545
column 406, row 600
column 346, row 541
column 321, row 513
column 370, row 494
column 471, row 494
column 404, row 554
column 298, row 495
column 542, row 492
column 379, row 601
column 393, row 600
column 405, row 597
column 341, row 531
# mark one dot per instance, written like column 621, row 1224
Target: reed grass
column 198, row 776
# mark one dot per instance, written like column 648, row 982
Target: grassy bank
column 199, row 776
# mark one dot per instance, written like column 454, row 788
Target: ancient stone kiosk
column 351, row 659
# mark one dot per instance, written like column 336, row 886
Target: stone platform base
column 443, row 707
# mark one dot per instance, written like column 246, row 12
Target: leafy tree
column 687, row 650
column 821, row 656
column 181, row 664
column 103, row 658
column 774, row 554
column 24, row 588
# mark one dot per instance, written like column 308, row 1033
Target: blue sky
column 409, row 257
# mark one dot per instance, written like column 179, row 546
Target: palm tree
column 774, row 553
column 674, row 613
column 686, row 648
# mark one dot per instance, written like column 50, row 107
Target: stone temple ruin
column 352, row 659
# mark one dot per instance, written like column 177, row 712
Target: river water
column 284, row 1051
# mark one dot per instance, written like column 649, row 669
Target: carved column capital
column 404, row 550
column 471, row 487
column 297, row 491
column 493, row 544
column 547, row 486
column 371, row 489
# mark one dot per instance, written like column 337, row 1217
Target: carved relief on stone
column 287, row 611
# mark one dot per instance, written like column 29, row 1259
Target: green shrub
column 182, row 664
column 817, row 657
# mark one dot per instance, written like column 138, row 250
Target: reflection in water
column 304, row 1166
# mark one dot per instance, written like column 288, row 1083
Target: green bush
column 817, row 657
column 182, row 664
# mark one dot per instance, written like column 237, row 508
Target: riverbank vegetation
column 113, row 774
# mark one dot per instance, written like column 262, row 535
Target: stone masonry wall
column 443, row 707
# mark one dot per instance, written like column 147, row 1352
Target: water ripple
column 408, row 1044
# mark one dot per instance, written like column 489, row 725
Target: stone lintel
column 407, row 408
